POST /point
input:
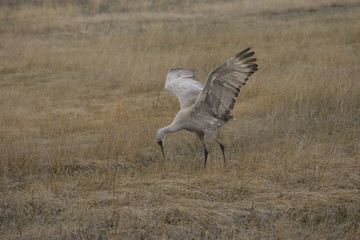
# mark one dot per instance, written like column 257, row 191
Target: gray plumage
column 205, row 108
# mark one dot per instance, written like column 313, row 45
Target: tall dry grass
column 81, row 99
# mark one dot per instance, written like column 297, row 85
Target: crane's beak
column 162, row 148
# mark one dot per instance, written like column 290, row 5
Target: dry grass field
column 82, row 97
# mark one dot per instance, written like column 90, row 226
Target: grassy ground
column 82, row 97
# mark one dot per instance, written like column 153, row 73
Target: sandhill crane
column 205, row 108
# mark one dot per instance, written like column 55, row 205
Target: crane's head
column 159, row 138
column 162, row 148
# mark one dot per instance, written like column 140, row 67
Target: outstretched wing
column 181, row 82
column 223, row 84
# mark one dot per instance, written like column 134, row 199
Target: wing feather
column 224, row 82
column 182, row 83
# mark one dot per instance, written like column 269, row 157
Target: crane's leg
column 206, row 154
column 201, row 137
column 211, row 134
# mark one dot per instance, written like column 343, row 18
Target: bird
column 206, row 107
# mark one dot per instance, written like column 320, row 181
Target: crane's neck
column 168, row 129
